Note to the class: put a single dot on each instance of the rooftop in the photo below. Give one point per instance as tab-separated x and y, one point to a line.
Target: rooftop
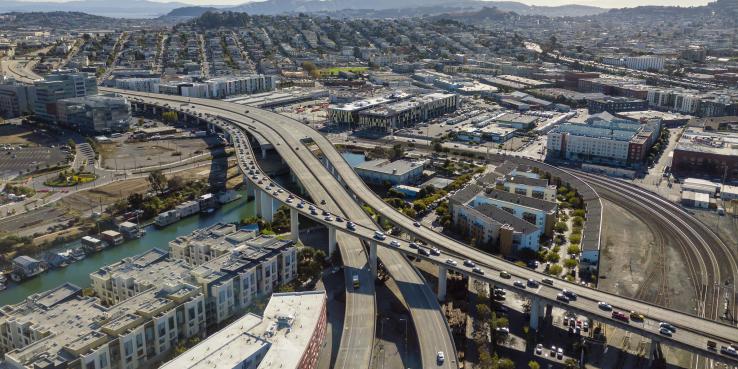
397	167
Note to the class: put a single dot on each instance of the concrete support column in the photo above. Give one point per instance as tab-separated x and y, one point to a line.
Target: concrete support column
373	258
295	225
331	241
263	153
652	350
535	313
442	278
257	201
267	209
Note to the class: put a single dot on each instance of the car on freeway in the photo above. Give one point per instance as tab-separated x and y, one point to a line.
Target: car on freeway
604	306
451	262
552	353
539	349
416	224
379	235
423	251
350	226
560	353
394	243
562	297
547	281
636	316
311	207
519	284
619	315
532	283
435	251
322	202
728	350
469	263
313	212
711	345
668	326
503	330
505	274
440	357
478	270
328	218
585	326
289	201
326	212
570	294
665	331
339	219
413	245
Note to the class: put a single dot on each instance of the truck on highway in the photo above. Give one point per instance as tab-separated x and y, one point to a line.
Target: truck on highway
355	280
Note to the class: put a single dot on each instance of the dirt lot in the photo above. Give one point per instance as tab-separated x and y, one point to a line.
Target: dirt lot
129	155
34	222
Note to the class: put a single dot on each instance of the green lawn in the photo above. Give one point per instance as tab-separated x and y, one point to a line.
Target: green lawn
335	70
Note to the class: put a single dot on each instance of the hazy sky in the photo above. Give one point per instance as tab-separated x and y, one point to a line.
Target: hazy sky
601	3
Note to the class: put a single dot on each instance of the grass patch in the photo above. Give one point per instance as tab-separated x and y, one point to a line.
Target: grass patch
72	180
335	70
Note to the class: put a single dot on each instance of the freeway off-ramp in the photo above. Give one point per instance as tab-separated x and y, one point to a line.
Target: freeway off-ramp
693	331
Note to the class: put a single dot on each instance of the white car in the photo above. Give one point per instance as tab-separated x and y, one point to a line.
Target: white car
665	331
451	262
394	243
539	349
440	357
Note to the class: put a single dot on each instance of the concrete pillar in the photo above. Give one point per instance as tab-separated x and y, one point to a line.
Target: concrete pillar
263	153
257	201
535	313
295	225
442	277
331	241
652	350
267	209
373	258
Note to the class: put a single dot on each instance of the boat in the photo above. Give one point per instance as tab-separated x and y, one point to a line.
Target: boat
78	254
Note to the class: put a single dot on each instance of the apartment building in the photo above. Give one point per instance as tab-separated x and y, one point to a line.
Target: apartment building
16	99
603	138
289	335
63	329
222	87
398	172
614	105
532	187
206	244
706	152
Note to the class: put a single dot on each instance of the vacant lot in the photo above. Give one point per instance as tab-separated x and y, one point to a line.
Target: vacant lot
14	134
123	155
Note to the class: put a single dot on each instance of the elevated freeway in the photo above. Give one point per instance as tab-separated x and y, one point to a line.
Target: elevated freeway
693	332
424	309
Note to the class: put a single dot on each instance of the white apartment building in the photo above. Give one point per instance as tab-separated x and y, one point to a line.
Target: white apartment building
206	244
61	328
531	187
222	87
139	84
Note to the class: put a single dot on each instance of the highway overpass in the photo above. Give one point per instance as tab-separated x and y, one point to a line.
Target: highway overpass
692	332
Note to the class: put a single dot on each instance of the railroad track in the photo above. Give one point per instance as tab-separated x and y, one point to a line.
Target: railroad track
707	258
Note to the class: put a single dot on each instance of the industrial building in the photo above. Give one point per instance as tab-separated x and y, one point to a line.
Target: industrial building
408	112
398	172
706	152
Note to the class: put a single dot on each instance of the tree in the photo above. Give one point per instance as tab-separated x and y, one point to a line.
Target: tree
157	180
505	363
534	365
483	312
169	116
397	152
561	227
571	364
135	200
555	269
571	263
573	250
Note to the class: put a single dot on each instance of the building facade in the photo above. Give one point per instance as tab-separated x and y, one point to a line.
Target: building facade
95	114
61	85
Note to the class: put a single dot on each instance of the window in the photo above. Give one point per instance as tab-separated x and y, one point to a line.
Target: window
128	348
162	327
171	323
139	340
103	360
90	365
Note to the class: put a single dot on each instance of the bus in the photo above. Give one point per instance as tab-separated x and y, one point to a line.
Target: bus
356	280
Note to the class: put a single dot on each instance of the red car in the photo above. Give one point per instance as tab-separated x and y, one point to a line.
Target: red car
620	316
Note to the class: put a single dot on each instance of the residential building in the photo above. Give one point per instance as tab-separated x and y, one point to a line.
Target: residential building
63	84
63	329
532	187
614	105
290	335
398	172
95	114
603	138
203	245
139	84
222	87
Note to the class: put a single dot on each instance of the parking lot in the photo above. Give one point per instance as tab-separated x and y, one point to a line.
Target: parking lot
119	154
20	160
